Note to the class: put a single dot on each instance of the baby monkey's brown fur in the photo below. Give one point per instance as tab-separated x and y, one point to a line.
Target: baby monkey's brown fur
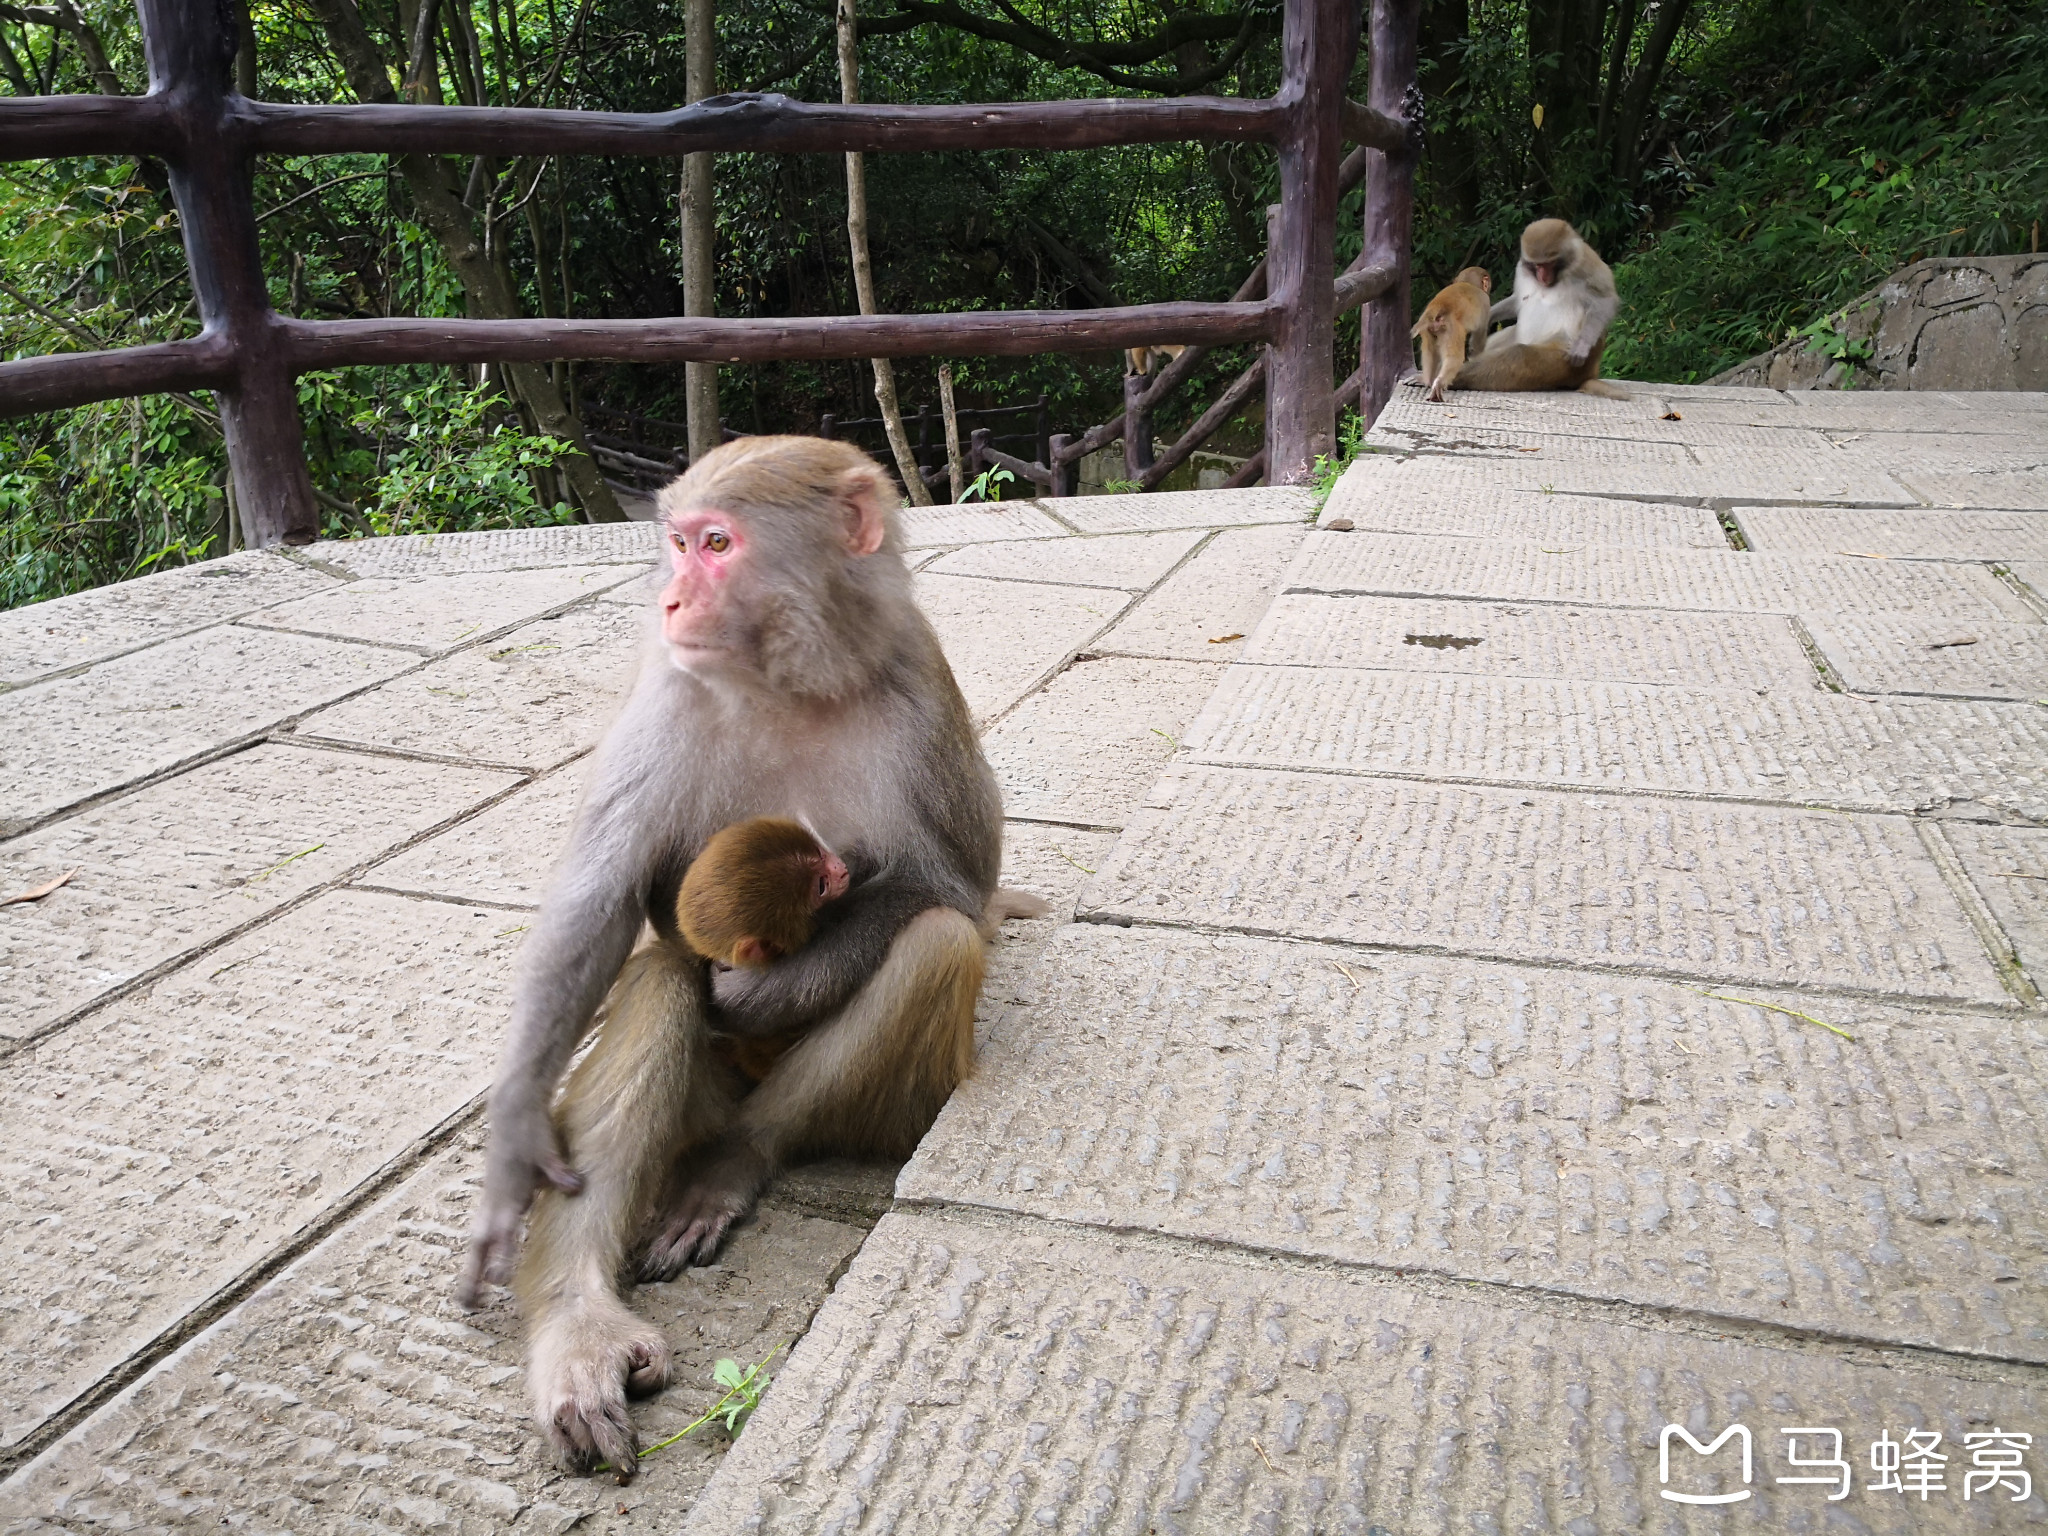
1453	328
753	894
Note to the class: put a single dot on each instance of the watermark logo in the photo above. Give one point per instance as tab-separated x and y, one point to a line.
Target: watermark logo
1913	1465
1733	1431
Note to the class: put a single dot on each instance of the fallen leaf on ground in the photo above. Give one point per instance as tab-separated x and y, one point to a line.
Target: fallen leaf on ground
1943	645
1858	554
1222	639
1671	416
39	892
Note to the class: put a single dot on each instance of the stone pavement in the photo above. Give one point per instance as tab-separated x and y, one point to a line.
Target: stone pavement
1558	959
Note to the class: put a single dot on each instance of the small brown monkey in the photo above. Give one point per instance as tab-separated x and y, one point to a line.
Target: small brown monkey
1140	359
753	894
1453	328
1563	302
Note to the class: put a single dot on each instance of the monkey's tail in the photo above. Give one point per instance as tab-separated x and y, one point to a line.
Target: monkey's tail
1008	903
1604	390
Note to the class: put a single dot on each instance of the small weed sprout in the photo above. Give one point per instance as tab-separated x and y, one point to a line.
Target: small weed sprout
743	1389
980	487
1330	467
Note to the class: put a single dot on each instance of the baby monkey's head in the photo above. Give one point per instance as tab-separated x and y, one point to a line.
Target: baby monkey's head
753	894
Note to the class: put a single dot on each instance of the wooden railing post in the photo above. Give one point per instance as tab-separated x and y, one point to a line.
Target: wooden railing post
191	47
1137	427
1065	471
1318	40
1384	349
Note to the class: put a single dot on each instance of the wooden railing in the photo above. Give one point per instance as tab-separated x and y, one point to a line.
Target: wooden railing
249	355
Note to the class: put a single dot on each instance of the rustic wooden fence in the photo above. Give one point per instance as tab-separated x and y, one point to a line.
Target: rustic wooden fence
249	355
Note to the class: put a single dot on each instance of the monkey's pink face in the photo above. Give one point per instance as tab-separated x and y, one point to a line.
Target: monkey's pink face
829	879
706	550
1545	271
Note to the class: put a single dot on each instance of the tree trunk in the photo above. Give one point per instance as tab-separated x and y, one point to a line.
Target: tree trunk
1635	107
700	265
863	273
954	472
485	285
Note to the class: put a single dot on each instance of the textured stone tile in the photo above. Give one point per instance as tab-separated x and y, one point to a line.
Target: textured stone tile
2024	445
509	549
965	1377
1725	892
1800	744
1598	439
1571	412
1084	748
1997	488
1899	534
1400	565
1610	468
535	698
1003	637
194	857
1628	1140
2009	865
159	1149
74	737
2035	575
925	527
1530	516
438	613
350	1393
1132	561
1050	862
1137	512
1914	411
640	592
504	855
1205	609
1309	629
1971	658
91	626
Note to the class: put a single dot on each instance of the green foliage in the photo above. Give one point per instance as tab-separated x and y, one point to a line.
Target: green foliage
742	1395
987	486
1329	468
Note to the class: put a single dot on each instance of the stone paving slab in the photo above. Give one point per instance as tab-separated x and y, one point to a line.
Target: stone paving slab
2024	445
640	592
1204	610
1718	891
1084	749
1886	653
350	1393
74	737
530	699
1597	438
1694	474
930	527
1623	1140
191	859
1532	516
1801	745
1311	629
1914	410
1571	412
434	614
1401	565
160	1149
65	632
508	549
973	1376
502	856
1002	638
1132	561
2035	575
1182	509
2021	488
1896	534
2009	865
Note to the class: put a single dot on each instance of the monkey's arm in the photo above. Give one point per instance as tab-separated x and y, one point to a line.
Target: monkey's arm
852	938
1594	318
1506	309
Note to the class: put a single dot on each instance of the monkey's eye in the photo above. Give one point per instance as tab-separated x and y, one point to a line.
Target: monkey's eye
679	541
717	541
822	885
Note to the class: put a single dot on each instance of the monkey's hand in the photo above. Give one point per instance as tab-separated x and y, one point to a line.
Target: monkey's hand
524	1154
851	941
1580	350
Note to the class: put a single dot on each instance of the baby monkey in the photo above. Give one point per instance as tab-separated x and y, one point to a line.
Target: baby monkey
1453	328
753	894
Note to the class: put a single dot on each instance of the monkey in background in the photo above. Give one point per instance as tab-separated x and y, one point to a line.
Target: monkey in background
752	896
1562	304
1139	359
1453	328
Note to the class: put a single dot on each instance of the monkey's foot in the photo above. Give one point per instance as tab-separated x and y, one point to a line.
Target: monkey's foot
584	1365
720	1191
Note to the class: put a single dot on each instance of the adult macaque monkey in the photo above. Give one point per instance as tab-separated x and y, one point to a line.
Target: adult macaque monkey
1452	329
1560	309
793	676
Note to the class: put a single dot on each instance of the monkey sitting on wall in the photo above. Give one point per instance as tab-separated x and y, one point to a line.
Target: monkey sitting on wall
753	894
1562	304
1453	328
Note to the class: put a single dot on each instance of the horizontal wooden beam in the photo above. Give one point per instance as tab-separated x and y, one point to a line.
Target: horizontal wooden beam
315	344
1360	283
1373	128
45	127
78	378
768	124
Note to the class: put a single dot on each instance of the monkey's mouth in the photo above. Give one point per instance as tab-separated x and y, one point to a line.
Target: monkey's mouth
1546	273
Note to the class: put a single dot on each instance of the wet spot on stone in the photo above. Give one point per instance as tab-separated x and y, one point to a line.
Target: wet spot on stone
1441	642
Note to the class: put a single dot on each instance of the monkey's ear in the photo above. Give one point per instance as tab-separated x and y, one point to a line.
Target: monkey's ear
751	952
865	492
